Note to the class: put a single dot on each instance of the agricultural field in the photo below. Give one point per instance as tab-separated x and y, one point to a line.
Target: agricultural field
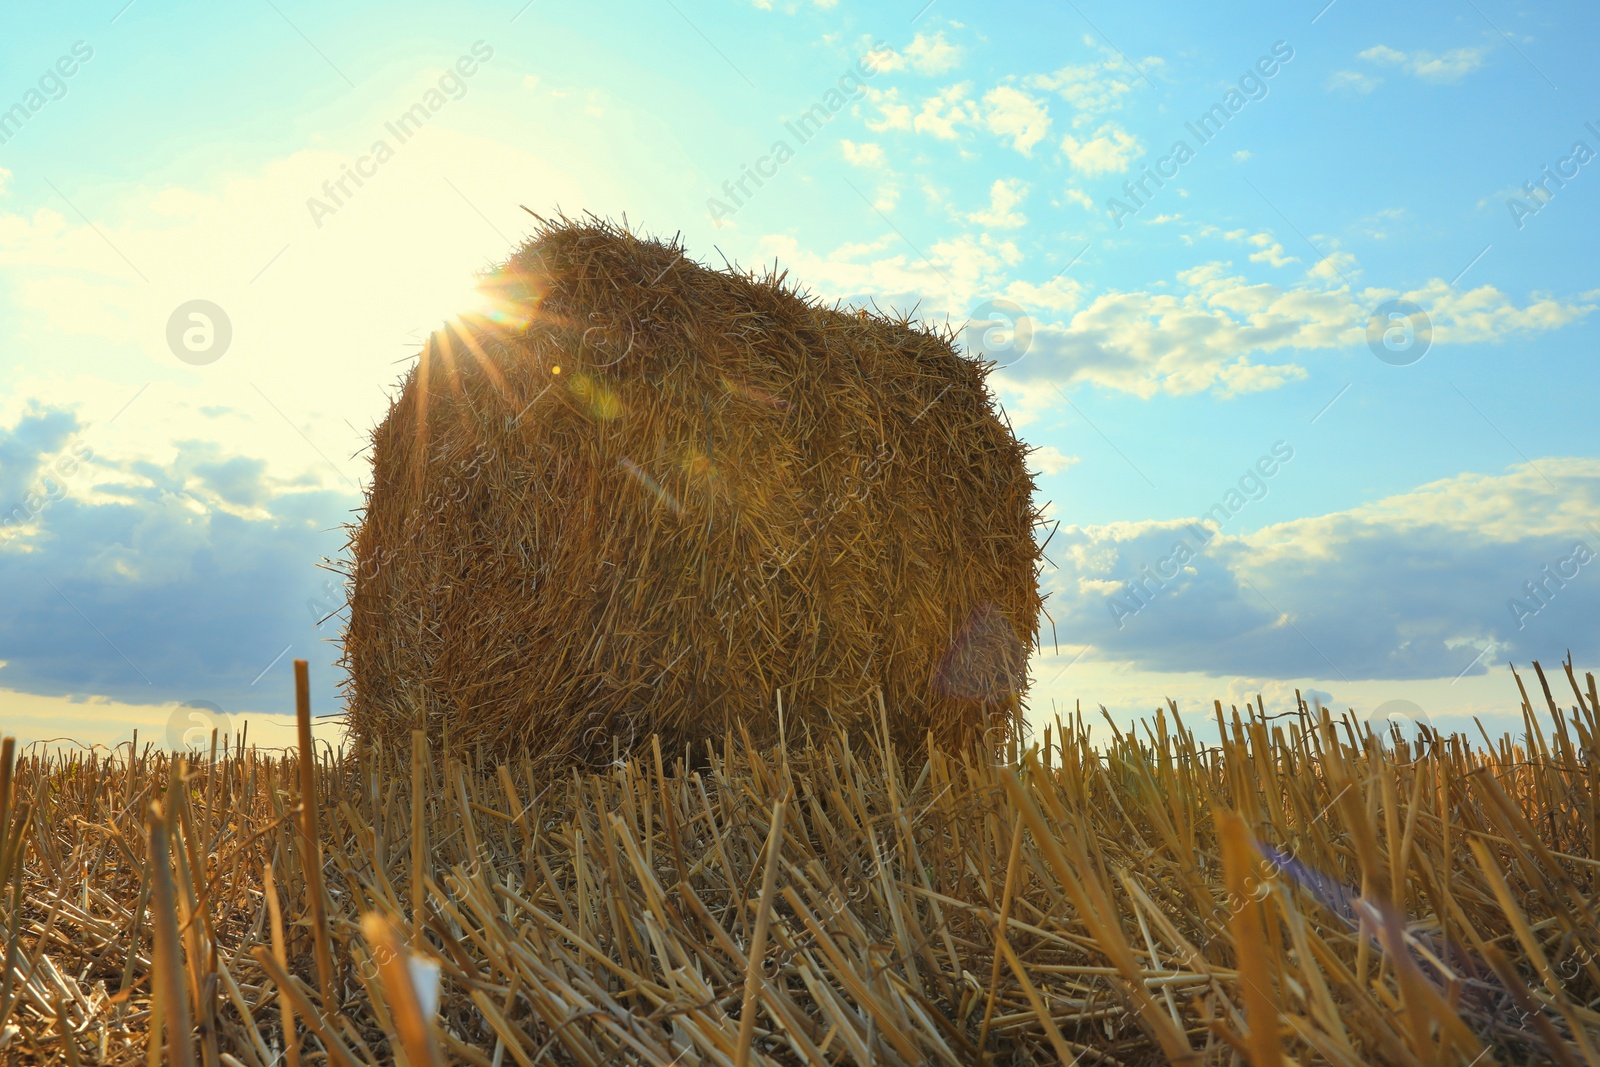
738	533
1305	892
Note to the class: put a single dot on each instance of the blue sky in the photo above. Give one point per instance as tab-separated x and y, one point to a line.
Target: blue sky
1191	318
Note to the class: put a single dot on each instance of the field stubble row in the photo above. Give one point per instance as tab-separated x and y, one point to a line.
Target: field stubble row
1303	892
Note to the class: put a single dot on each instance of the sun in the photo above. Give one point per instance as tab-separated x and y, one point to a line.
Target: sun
464	299
477	299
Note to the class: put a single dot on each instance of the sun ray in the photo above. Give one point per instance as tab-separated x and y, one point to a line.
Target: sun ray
490	368
447	353
420	436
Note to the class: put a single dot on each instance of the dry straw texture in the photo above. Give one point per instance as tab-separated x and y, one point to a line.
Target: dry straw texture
644	497
1306	893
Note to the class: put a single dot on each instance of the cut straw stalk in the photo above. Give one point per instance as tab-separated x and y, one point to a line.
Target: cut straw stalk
1006	896
413	1028
758	940
280	956
14	819
1240	861
419	834
168	973
311	837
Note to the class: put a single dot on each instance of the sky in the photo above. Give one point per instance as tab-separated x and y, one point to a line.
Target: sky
1295	303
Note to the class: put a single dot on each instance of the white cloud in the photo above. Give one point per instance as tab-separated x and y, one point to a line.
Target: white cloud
1381	53
1271	251
1411	586
932	54
1208	329
1049	461
1060	294
959	273
1334	267
866	154
926	54
1004	195
335	304
1081	198
893	113
163	554
1012	113
1242	154
1443	67
1006	111
1376	225
1448	67
943	113
1221	332
5	179
1110	151
1354	80
1095	88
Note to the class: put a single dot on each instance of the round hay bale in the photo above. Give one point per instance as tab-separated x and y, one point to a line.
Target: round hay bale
644	497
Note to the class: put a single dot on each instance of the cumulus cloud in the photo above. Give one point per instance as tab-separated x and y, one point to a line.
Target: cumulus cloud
321	308
1270	251
39	433
1219	331
161	582
928	53
1081	198
1050	461
1380	53
1097	87
1443	67
942	115
1378	225
1110	151
1014	110
932	54
1448	67
957	274
1006	111
189	542
893	112
1059	294
1451	577
1354	81
1208	329
1004	196
1012	113
867	154
946	111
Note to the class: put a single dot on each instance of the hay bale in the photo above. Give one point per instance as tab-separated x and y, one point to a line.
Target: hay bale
645	496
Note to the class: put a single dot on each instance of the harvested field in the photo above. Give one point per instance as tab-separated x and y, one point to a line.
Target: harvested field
1305	892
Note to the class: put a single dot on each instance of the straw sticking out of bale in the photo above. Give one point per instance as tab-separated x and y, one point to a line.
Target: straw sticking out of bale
642	497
